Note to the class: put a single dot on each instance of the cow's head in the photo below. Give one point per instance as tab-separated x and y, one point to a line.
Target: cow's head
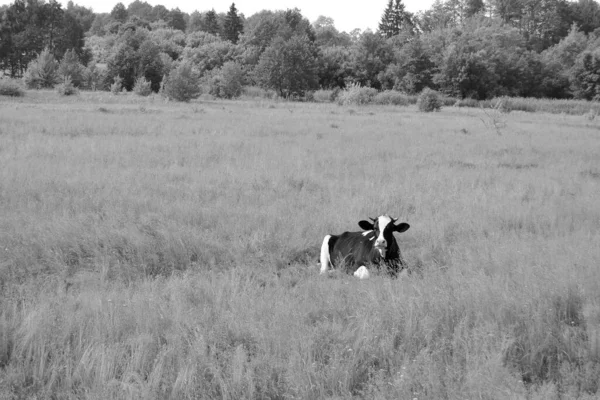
383	228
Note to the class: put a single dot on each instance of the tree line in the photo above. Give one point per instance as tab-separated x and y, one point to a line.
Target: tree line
464	48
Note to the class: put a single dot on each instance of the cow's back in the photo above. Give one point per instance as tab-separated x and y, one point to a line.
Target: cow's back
351	249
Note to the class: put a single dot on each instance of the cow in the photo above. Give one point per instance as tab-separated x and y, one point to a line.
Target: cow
375	246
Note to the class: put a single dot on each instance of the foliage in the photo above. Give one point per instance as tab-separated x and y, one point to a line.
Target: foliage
71	67
411	70
289	66
95	78
355	94
119	13
150	64
117	85
585	76
227	81
334	67
176	20
233	25
324	96
66	87
392	97
394	19
211	55
11	87
429	100
369	58
182	83
211	23
27	28
42	72
142	87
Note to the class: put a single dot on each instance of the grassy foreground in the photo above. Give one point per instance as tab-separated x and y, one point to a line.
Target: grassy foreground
153	250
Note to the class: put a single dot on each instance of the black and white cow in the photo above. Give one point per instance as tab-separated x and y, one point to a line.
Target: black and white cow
356	250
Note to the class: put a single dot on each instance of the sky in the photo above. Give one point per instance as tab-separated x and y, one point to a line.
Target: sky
346	17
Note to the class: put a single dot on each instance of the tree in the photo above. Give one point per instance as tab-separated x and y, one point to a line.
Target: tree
159	12
175	19
288	66
586	14
84	16
195	22
119	13
334	67
394	19
141	9
150	65
211	24
473	7
369	56
227	81
26	28
71	67
182	83
42	72
233	26
585	76
412	69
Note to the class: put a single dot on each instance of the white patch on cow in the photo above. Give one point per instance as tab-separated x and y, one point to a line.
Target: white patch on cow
325	258
380	243
365	233
362	273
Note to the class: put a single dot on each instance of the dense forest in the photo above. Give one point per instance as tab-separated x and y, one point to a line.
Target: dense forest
462	48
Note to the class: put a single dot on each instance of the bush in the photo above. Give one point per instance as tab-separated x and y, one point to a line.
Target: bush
429	100
323	96
142	87
356	95
117	85
258	92
95	77
66	88
70	66
10	87
227	81
392	97
182	83
42	72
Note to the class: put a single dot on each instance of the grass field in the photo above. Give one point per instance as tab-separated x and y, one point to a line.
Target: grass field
153	250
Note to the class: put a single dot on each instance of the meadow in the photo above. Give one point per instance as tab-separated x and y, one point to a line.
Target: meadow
159	250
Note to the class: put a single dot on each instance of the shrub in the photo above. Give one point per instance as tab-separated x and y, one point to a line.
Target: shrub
356	95
258	92
142	87
182	83
392	97
10	87
117	85
429	100
42	72
66	88
70	66
323	96
94	77
227	81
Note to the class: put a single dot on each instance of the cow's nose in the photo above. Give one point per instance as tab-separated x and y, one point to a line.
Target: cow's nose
380	243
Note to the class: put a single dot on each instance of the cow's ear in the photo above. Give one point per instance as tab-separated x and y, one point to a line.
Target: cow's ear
403	227
366	225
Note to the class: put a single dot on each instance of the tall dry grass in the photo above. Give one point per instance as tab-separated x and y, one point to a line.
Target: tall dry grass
160	250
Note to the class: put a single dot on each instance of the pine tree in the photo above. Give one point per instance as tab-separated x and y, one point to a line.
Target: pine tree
233	26
394	18
211	23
